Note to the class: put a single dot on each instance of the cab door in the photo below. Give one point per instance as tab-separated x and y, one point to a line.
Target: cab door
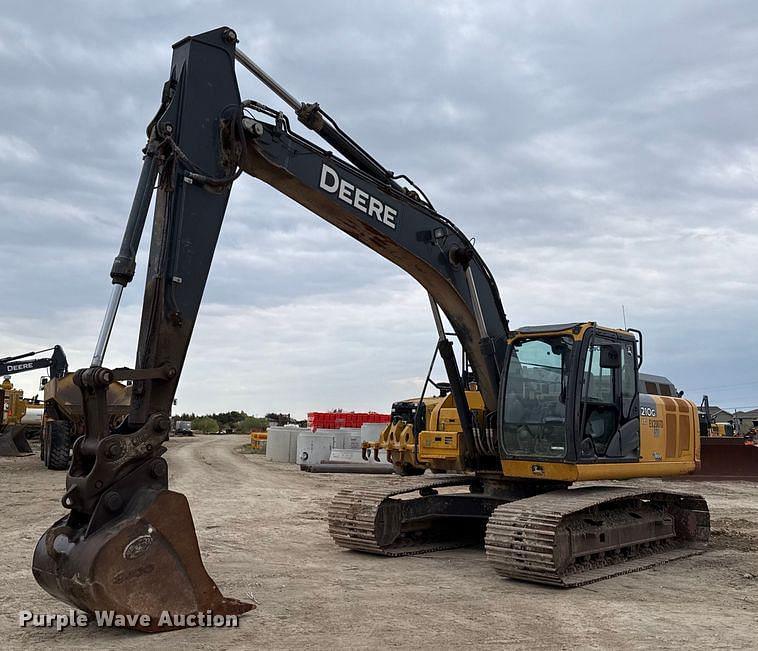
608	427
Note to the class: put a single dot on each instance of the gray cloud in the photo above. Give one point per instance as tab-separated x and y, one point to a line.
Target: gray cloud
600	154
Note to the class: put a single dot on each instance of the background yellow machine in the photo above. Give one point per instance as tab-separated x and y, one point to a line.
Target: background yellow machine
19	418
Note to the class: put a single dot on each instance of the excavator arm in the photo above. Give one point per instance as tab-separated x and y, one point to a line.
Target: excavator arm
128	543
56	363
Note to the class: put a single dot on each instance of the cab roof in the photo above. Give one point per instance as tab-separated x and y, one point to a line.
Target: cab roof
542	329
576	327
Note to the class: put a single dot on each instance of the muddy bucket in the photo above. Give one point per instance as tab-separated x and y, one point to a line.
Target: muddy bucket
144	564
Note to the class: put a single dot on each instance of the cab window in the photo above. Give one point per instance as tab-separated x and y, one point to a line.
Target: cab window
598	382
608	424
628	379
534	413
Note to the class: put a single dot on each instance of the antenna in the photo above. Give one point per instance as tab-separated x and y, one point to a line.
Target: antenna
623	314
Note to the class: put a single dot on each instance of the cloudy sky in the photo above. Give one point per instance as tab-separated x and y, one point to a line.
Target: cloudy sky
602	154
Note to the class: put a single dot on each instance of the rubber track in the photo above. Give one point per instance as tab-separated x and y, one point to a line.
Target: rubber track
352	516
521	535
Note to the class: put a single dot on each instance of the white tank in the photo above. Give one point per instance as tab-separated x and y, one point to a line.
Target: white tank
316	447
351	438
294	435
281	446
33	415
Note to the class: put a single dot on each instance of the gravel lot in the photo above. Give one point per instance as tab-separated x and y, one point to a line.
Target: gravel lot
262	530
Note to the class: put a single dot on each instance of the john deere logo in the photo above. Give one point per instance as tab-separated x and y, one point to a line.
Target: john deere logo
137	547
357	198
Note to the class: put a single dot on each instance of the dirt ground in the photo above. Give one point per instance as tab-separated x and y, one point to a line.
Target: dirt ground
263	532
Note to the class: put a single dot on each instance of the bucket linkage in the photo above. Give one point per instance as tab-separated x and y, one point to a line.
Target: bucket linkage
129	544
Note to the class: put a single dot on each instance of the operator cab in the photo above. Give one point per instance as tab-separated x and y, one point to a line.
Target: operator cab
570	395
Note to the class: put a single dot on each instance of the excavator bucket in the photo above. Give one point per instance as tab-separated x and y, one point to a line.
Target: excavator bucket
144	565
13	442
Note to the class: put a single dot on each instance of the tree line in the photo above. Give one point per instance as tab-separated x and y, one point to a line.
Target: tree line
234	422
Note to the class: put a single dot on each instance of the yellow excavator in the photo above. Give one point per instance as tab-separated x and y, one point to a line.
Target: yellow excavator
533	410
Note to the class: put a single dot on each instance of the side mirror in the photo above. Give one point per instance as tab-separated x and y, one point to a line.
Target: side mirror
610	356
